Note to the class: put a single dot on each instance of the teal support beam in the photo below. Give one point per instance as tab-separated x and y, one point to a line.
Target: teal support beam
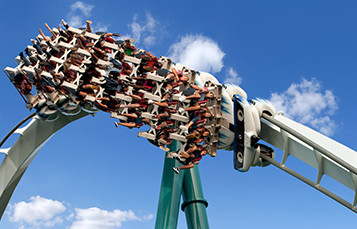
170	194
194	204
187	183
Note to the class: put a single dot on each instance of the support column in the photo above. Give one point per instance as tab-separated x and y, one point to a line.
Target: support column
194	204
170	193
187	183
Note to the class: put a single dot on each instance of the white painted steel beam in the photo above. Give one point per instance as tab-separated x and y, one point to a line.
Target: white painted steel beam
317	150
18	157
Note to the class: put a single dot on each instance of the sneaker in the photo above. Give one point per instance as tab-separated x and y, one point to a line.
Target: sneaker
174	155
176	170
162	141
64	23
164	148
116	124
190	136
185	155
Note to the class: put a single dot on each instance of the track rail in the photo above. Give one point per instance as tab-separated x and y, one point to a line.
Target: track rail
326	155
16	128
18	157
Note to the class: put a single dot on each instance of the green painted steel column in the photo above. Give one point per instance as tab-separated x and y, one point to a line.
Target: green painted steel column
194	204
170	193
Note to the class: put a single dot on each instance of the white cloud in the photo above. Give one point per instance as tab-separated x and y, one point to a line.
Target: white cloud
95	218
76	21
78	14
100	27
149	217
198	52
308	104
39	212
149	40
84	8
233	77
146	31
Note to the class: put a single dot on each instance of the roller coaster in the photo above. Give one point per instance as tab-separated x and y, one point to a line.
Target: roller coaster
75	72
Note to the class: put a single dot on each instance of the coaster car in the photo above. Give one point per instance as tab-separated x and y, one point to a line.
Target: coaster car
247	127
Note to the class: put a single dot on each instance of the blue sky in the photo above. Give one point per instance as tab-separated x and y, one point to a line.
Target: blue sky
302	55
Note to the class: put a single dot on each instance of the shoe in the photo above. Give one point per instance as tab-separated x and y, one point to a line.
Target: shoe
171	155
89	22
190	136
185	155
64	23
176	170
175	155
116	124
164	148
162	141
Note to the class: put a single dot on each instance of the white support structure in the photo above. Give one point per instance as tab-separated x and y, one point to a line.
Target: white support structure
110	45
18	157
75	30
69	85
56	60
65	45
133	60
92	35
326	155
322	153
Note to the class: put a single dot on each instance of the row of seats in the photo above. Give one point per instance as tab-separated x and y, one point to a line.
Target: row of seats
74	69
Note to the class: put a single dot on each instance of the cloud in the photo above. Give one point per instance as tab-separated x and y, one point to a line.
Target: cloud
39	212
144	31
308	104
149	217
78	13
84	8
198	52
95	218
233	77
100	27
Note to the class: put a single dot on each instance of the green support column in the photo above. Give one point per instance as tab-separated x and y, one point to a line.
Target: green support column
194	204
187	183
170	194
